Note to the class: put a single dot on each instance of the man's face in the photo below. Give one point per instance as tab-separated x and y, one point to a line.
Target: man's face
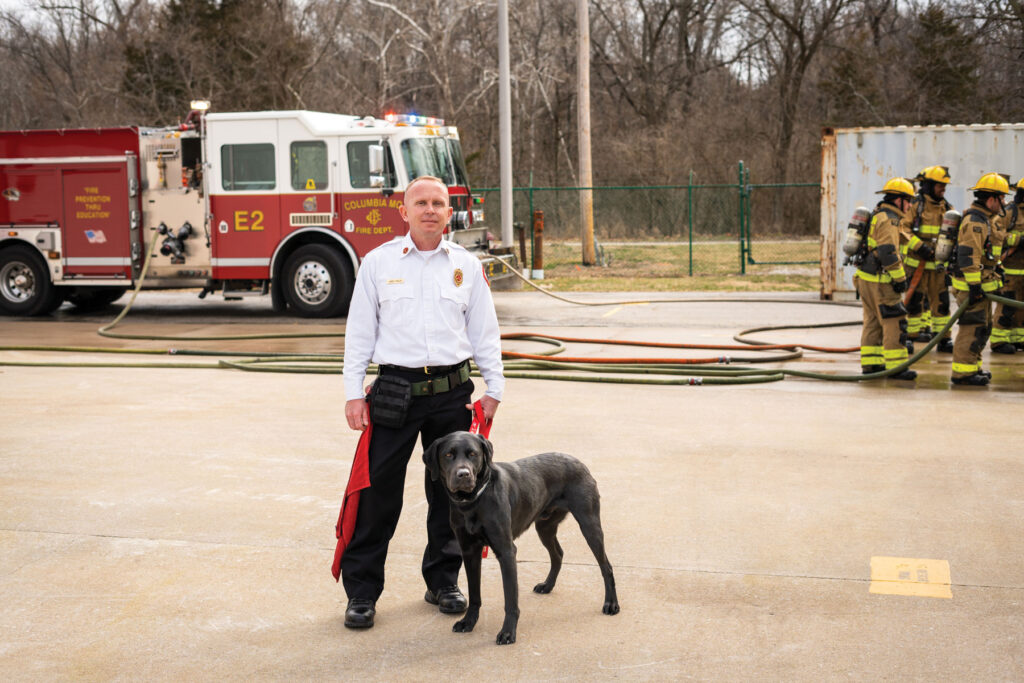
940	190
995	204
427	211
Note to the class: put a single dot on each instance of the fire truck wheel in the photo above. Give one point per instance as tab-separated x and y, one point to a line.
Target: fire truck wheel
317	282
94	298
25	286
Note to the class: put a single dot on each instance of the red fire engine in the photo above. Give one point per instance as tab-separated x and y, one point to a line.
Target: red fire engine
284	203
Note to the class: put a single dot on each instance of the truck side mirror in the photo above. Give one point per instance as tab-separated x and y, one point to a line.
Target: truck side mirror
377	161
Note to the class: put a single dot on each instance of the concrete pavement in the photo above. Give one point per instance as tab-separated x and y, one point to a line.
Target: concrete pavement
178	524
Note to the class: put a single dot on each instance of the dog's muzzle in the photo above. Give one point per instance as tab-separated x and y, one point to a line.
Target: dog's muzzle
462	479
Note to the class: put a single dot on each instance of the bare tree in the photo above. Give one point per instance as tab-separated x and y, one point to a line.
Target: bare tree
789	35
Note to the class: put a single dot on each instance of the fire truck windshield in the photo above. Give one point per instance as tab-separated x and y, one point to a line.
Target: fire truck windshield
440	157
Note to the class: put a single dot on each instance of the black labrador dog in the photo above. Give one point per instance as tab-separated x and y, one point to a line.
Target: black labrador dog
492	503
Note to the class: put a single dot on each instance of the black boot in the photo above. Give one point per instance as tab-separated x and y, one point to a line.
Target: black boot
360	613
924	336
945	346
869	369
1004	347
906	374
449	600
975	380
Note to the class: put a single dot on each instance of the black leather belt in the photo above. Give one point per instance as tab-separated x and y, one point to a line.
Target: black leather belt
442	378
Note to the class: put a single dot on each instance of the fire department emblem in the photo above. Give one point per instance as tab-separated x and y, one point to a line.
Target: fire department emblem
309	204
11	194
458	277
373	218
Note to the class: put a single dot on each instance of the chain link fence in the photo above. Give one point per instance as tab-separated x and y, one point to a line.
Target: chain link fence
732	228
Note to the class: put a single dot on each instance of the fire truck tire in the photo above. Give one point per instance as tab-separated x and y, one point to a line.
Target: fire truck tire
25	286
317	282
94	298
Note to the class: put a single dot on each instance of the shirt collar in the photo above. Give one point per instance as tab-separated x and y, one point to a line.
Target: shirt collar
409	247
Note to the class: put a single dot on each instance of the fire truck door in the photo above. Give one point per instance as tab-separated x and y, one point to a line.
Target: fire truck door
369	215
96	228
307	201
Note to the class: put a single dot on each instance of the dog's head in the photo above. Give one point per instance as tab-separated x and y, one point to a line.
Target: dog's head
460	459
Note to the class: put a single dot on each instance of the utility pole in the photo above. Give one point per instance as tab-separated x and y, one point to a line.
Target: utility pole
504	124
583	136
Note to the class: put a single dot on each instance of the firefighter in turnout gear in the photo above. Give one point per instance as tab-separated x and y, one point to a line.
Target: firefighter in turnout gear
928	308
979	247
1007	321
880	280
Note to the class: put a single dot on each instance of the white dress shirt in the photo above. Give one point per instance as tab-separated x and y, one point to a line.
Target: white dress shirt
414	308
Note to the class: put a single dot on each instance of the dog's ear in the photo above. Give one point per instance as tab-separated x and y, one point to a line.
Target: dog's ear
486	447
430	458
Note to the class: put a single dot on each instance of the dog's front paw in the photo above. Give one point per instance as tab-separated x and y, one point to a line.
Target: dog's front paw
464	625
543	588
611	607
506	638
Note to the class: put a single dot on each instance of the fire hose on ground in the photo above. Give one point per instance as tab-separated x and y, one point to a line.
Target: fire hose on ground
621	370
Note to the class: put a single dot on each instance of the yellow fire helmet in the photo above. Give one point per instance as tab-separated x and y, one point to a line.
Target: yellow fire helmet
1020	184
898	186
938	174
996	183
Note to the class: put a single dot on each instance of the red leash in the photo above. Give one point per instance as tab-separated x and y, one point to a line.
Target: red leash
483	428
359	479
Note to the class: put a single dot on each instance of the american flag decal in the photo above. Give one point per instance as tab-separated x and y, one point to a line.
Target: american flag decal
95	236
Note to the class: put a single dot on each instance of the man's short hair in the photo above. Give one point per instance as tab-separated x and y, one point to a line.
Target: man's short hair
426	177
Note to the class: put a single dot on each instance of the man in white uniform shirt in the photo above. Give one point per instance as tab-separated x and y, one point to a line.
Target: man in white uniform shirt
421	309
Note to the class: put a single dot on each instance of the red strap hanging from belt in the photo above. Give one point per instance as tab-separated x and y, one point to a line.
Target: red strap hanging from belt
358	479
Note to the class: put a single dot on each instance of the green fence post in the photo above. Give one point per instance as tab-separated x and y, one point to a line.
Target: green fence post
748	194
533	243
689	216
742	254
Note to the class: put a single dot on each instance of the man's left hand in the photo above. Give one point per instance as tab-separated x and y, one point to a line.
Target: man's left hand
490	406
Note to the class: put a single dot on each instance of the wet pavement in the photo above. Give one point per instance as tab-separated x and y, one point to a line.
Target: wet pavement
179	523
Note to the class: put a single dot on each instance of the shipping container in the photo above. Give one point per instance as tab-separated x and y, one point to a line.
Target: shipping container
856	162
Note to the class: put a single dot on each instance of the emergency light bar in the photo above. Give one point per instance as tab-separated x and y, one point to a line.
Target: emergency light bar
413	120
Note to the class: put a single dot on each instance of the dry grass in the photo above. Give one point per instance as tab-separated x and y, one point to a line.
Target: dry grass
659	267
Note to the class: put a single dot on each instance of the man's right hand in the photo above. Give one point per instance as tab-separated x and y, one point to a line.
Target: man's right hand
357	412
899	286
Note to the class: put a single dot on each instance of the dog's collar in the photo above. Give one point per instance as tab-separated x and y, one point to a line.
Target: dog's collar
469	501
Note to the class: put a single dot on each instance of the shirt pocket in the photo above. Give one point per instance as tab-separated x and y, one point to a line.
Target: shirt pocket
396	298
453	304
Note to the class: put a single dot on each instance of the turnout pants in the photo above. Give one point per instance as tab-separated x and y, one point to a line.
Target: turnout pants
362	566
973	329
928	309
883	338
1007	321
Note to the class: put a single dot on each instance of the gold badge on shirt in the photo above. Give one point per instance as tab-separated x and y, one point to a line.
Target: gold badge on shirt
458	277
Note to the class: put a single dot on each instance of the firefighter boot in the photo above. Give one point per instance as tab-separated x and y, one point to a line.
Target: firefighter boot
945	346
906	374
1004	347
869	369
976	380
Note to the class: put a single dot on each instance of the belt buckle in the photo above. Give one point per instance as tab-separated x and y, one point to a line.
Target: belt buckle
430	387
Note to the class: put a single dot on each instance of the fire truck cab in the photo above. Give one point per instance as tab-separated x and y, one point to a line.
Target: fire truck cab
284	203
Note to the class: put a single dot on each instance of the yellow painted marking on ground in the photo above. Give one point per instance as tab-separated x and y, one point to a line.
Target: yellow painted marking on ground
910	576
612	312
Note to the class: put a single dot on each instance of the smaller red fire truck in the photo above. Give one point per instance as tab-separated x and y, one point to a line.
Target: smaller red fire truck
284	203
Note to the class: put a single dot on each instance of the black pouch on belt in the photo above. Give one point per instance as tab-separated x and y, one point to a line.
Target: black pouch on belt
389	401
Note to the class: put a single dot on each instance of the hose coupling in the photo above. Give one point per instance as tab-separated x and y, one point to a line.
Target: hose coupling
696	381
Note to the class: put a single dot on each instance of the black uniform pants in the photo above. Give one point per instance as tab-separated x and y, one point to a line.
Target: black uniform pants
362	565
